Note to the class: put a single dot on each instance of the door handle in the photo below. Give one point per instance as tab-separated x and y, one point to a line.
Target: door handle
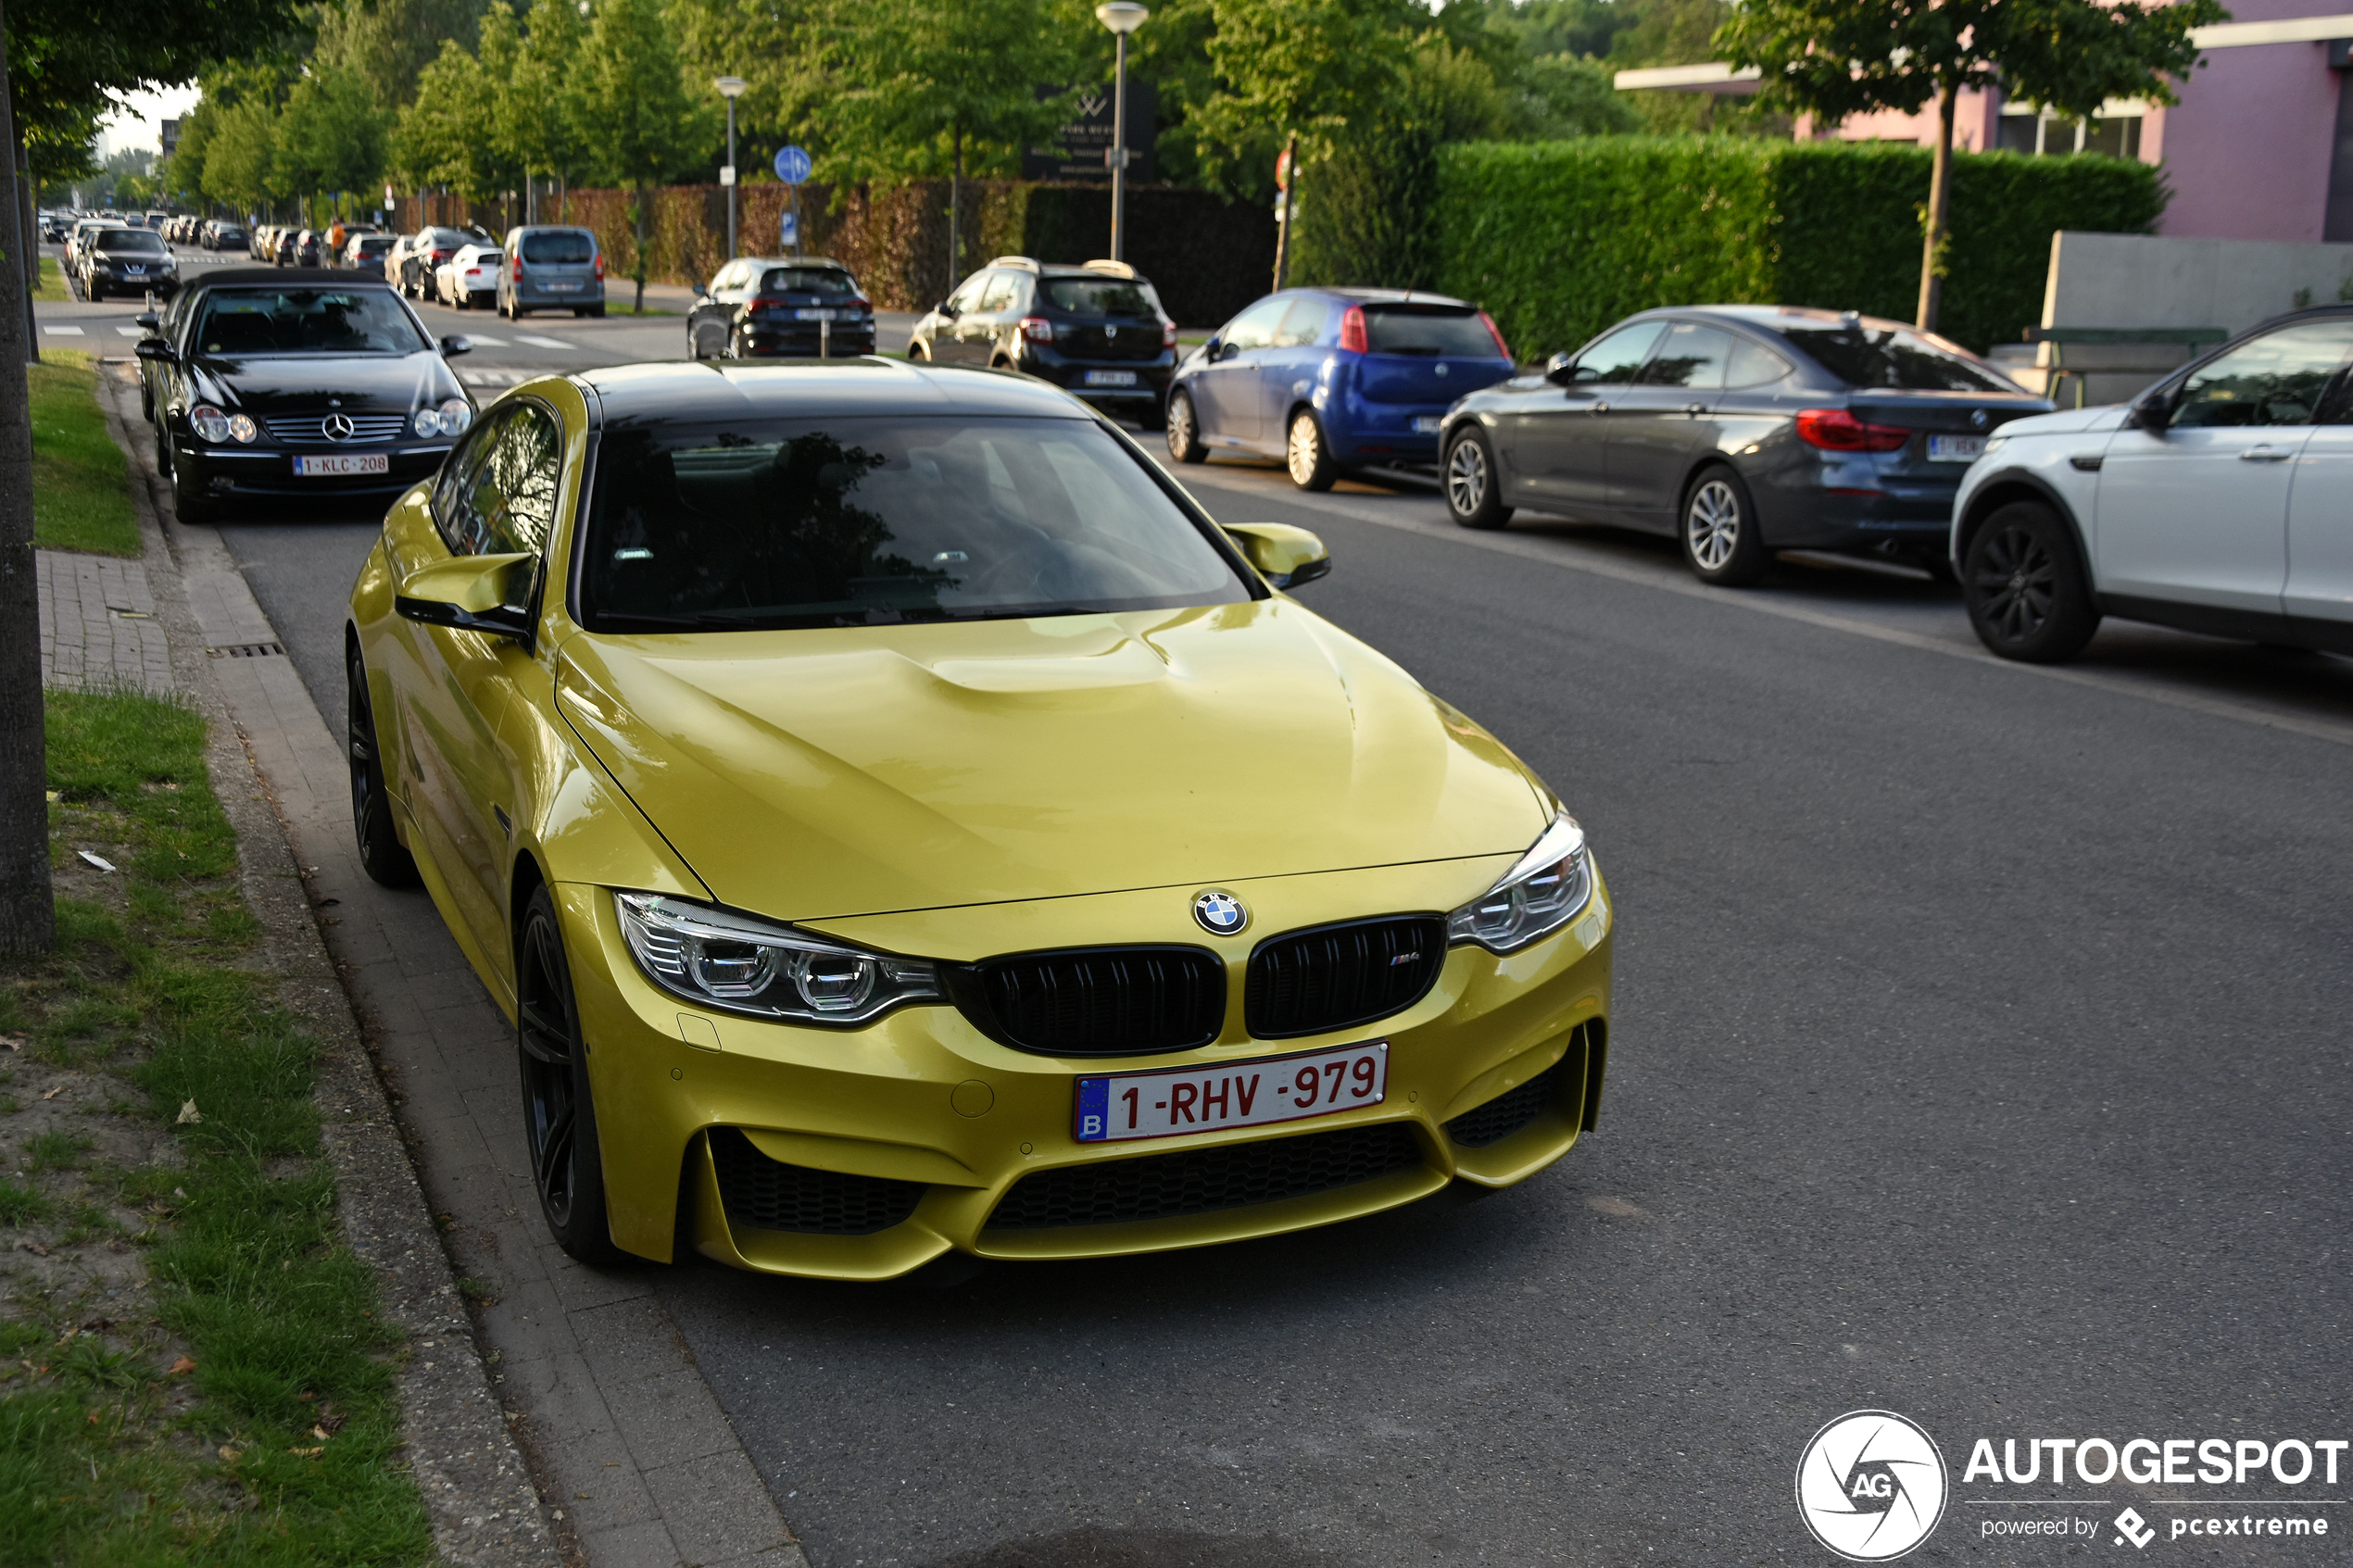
2262	455
1599	408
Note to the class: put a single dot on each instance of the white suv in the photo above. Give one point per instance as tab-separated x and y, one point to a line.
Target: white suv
2221	501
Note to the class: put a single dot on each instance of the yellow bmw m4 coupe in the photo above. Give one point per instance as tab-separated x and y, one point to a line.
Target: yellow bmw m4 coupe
899	821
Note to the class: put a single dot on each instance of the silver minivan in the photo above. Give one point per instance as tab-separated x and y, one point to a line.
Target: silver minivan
552	269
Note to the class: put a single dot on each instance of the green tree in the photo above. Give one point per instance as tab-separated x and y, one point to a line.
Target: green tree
331	136
777	46
241	160
541	120
443	137
1301	71
646	123
390	43
1839	57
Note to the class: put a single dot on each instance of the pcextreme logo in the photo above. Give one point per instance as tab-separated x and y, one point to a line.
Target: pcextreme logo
1871	1486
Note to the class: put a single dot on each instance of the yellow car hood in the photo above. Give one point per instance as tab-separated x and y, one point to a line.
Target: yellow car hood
813	774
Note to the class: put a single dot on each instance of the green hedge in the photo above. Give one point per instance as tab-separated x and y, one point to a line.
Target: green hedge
1559	239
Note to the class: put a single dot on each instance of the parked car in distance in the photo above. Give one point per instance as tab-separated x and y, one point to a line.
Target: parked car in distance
761	307
551	267
128	261
1096	331
1333	379
2219	501
366	253
1739	430
420	256
468	279
220	235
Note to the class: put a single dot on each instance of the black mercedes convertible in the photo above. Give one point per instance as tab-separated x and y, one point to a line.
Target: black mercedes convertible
266	382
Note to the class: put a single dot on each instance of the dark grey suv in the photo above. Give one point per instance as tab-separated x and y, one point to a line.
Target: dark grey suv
1740	430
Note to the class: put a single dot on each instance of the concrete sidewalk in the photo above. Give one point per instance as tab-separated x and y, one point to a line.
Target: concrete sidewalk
634	1460
98	626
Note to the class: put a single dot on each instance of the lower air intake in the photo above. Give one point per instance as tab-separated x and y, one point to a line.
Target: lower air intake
1200	1181
1509	1111
767	1194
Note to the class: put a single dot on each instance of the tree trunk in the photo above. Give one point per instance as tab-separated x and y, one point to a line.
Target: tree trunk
29	215
639	270
955	213
1282	231
28	913
1940	204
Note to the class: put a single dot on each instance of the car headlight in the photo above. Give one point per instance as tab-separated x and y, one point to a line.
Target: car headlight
1542	893
455	415
719	959
427	423
209	423
241	427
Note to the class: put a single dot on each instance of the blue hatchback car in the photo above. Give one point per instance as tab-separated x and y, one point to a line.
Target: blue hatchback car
1333	379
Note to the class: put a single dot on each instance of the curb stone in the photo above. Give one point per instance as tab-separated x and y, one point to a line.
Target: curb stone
477	1492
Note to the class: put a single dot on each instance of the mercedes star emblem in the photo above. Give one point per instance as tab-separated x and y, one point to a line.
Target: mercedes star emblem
338	427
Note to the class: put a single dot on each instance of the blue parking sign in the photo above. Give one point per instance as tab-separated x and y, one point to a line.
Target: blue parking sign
788	228
792	165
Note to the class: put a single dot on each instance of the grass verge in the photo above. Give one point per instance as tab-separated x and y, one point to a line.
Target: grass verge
80	491
52	288
193	1370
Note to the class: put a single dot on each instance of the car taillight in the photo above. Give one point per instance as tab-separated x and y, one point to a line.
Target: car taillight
1351	331
1168	335
1036	329
518	272
1497	333
1835	430
600	267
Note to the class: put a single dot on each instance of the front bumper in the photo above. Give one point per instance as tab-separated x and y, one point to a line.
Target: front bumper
258	471
922	1104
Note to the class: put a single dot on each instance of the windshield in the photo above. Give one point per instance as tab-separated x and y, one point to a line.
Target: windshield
448	239
131	241
559	247
1099	296
305	322
1389	330
861	521
1894	358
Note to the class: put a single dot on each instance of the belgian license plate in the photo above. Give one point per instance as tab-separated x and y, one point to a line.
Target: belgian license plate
1230	1094
562	288
1956	448
817	313
339	463
1425	424
1110	378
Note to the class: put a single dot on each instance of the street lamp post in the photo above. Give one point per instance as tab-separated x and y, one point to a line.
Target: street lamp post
1123	17
731	88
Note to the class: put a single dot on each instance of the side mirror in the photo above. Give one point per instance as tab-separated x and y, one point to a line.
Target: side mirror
947	307
453	346
157	349
472	593
147	319
1223	352
701	293
1561	369
1285	556
2154	412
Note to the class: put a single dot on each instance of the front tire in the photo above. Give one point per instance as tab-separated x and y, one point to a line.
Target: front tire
1306	454
1722	544
2024	587
189	502
1184	429
381	853
1472	494
560	1114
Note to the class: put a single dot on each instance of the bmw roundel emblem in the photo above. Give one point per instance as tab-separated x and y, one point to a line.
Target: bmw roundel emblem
1977	418
1219	913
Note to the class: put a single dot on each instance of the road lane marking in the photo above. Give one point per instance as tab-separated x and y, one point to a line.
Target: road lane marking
62	332
481	341
544	342
131	332
1527	547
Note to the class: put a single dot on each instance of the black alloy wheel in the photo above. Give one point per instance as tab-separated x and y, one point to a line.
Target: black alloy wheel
1184	429
1722	544
2024	587
1472	494
559	1115
381	853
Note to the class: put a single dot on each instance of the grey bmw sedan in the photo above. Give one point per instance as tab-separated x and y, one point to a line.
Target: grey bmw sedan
1740	430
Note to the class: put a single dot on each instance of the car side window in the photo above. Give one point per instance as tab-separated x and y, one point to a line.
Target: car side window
1254	328
2279	379
968	295
1000	292
463	491
1302	323
1614	360
1753	364
1691	356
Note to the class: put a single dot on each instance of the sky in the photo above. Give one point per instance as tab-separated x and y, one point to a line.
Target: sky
140	121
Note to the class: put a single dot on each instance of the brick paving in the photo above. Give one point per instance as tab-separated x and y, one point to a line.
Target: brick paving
98	625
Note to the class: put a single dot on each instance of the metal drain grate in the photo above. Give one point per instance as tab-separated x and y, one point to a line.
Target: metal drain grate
247	650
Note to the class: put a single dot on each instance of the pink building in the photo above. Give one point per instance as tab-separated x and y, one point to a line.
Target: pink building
2260	147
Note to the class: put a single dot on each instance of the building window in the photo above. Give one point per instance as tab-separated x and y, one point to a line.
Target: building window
2039	133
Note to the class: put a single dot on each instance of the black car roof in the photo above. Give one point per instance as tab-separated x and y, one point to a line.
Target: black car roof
691	391
285	277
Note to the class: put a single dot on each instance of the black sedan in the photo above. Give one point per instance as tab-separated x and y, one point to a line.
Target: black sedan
264	382
133	262
762	305
1740	430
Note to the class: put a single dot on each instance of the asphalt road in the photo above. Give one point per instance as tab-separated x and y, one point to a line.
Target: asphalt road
1978	1054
